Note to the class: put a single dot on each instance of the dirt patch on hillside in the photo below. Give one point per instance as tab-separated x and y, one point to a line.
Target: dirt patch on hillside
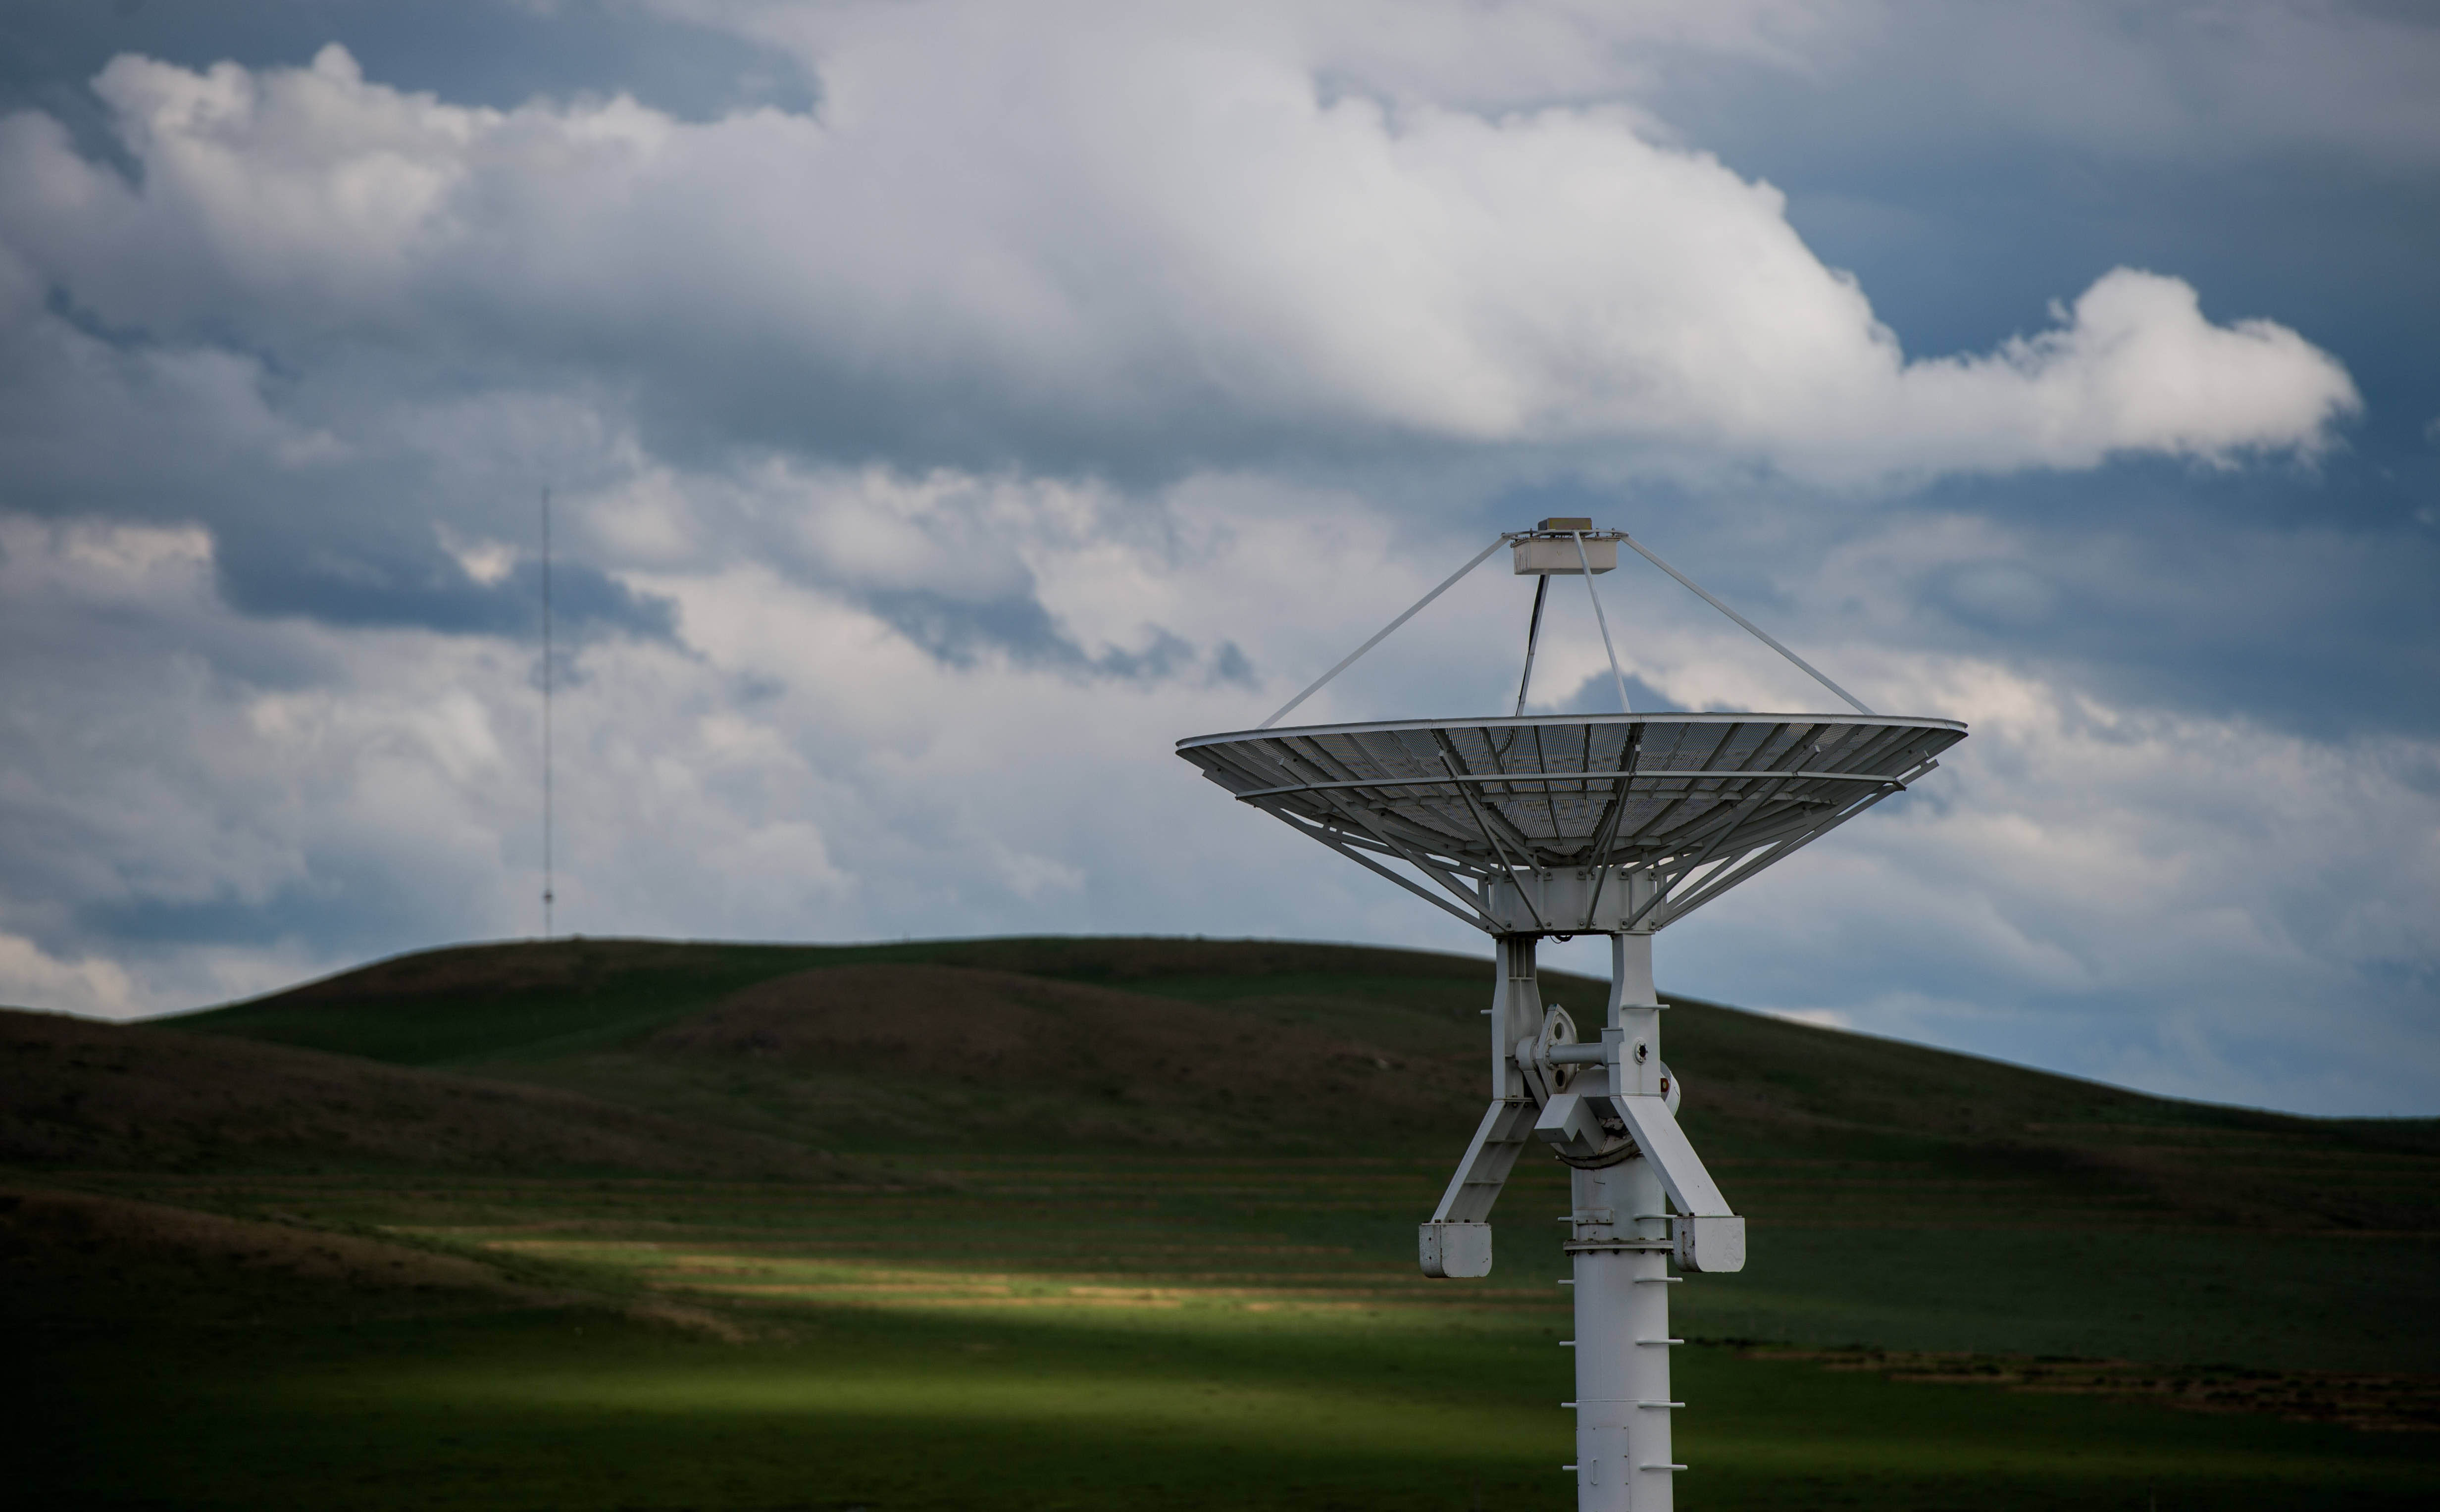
966	1026
77	1092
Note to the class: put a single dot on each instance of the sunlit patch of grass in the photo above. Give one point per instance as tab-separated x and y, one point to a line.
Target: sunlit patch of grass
757	1276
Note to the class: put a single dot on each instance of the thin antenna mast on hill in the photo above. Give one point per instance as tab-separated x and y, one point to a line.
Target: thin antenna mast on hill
547	893
1533	826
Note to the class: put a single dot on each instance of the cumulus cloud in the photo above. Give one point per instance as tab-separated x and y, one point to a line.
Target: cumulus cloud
2144	883
1119	250
929	458
2134	367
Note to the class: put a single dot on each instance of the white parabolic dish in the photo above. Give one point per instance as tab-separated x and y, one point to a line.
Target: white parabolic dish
1574	822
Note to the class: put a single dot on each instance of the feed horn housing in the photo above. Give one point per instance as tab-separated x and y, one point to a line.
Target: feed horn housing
1533	826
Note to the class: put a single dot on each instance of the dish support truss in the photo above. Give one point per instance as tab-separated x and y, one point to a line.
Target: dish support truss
1564	825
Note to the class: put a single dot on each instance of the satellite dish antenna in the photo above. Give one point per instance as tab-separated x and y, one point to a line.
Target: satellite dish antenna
1533	826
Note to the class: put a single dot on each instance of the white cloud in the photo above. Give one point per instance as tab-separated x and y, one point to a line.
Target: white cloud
93	985
2134	367
1099	243
2083	886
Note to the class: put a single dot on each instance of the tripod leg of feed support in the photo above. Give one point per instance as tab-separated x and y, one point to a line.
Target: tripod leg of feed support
1515	1013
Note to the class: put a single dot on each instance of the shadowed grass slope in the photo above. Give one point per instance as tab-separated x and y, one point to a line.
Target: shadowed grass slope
78	1263
75	1093
891	1410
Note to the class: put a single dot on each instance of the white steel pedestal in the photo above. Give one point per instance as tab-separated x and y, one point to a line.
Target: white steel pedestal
1621	1245
1545	826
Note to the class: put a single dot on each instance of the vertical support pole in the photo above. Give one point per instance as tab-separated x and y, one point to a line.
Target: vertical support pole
1515	1013
1619	1245
1631	973
1632	1038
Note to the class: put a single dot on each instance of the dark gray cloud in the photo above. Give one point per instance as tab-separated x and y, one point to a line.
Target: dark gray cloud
350	903
369	576
490	52
2296	595
960	631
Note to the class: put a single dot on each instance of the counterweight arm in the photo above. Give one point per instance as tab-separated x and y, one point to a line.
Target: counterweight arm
1707	1235
1457	1241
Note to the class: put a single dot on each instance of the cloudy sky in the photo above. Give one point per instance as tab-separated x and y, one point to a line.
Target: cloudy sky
949	405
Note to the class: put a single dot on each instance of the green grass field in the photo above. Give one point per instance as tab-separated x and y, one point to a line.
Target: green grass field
632	1225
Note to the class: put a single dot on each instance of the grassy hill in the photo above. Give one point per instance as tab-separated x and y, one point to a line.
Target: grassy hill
1108	1222
1244	1044
1901	1198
